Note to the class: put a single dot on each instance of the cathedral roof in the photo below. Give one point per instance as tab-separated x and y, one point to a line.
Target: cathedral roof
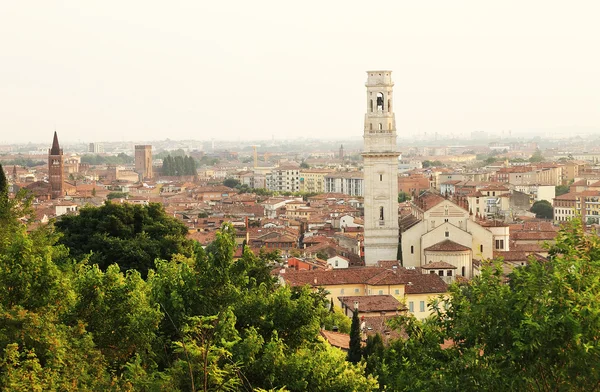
447	245
55	150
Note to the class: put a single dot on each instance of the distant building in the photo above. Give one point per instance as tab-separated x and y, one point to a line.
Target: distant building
96	148
348	183
143	161
55	169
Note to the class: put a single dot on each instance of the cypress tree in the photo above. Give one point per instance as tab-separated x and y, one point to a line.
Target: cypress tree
355	351
3	184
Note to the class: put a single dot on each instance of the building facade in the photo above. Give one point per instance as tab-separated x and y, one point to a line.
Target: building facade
380	157
143	161
347	183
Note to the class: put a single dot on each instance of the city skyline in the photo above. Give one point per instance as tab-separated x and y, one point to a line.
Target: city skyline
191	71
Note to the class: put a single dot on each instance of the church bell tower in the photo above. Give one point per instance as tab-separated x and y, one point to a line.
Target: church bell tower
55	168
380	156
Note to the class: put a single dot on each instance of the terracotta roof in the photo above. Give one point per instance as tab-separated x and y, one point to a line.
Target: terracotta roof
425	283
337	339
534	235
447	245
378	325
372	303
438	265
513	255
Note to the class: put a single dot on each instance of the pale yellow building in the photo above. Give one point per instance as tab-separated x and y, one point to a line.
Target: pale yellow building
313	180
406	285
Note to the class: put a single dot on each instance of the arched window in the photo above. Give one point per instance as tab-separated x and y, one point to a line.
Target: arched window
380	213
371	105
380	102
380	126
371	126
389	105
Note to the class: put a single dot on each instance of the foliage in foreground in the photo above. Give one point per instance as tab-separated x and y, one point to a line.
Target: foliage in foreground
201	321
538	332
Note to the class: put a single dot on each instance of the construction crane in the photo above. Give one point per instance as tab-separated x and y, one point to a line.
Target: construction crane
254	146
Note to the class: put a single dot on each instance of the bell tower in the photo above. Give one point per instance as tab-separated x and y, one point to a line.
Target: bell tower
380	157
55	168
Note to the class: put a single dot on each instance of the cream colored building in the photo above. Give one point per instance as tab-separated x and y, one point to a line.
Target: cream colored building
447	232
313	180
380	156
407	286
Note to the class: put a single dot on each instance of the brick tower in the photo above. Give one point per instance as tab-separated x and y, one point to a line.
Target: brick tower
55	169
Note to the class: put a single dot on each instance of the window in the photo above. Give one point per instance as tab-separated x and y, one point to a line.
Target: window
381	177
463	271
380	126
447	234
370	127
380	213
380	101
449	273
342	291
356	291
446	220
380	292
336	263
422	306
412	249
499	244
371	105
441	272
411	307
481	248
431	272
397	292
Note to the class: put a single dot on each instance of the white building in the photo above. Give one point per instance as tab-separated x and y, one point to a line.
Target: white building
380	157
283	179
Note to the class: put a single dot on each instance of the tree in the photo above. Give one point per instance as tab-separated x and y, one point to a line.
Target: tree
231	182
117	195
536	156
537	330
561	190
355	351
403	196
304	165
542	209
131	235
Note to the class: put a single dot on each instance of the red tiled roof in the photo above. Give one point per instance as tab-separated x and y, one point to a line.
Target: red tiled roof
337	339
447	245
425	283
438	265
372	303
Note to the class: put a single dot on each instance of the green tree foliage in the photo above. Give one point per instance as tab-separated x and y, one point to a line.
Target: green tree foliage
117	195
428	163
335	317
536	157
542	209
355	351
561	190
179	166
117	310
403	196
540	331
231	182
200	321
132	236
120	159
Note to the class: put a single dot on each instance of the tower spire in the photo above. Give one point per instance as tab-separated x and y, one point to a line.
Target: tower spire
55	150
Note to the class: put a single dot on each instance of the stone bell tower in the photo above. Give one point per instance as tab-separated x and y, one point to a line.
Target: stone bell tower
380	156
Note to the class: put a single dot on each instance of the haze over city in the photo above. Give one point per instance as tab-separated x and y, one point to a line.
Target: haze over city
114	71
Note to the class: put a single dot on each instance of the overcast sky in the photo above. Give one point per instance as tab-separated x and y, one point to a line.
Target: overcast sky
148	70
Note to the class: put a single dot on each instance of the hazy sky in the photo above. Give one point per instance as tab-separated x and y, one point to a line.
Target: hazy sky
147	70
